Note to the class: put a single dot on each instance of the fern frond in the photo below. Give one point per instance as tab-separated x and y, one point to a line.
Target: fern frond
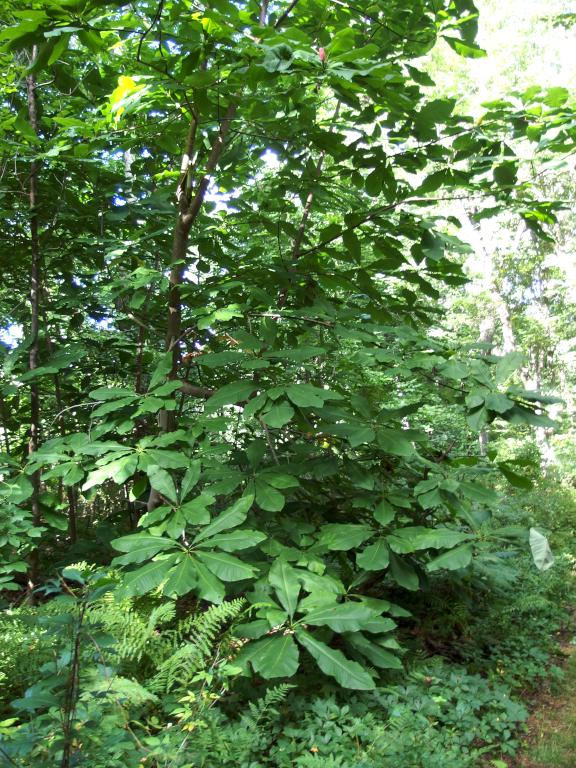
136	633
261	710
192	644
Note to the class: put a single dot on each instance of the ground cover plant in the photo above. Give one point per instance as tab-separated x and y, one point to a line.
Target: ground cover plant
252	461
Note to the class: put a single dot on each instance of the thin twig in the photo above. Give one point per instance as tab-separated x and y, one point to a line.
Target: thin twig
269	440
286	13
147	31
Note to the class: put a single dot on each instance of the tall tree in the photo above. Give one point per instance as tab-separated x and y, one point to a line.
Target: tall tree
276	285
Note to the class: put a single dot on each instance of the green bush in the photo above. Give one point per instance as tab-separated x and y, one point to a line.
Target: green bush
23	649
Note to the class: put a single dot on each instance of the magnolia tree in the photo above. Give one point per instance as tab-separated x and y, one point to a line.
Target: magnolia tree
232	215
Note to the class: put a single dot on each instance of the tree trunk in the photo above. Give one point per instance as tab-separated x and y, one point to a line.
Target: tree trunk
486	336
35	283
190	197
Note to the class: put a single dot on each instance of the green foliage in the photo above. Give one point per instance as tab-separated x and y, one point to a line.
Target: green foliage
124	662
175	685
262	398
190	646
244	397
24	649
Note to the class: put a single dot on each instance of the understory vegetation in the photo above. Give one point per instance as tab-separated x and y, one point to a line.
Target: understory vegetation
164	691
287	368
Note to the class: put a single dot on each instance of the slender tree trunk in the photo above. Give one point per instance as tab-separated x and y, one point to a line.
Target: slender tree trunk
191	194
508	338
70	491
139	360
299	239
4	417
35	287
190	204
486	336
72	691
190	201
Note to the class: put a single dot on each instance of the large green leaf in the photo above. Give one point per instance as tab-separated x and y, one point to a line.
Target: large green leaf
162	482
378	625
111	407
498	403
507	364
375	557
278	58
208	586
140	547
147	578
190	479
477	492
252	630
403	573
278	415
514	478
384	513
298	354
466	49
415	538
395	442
234	392
333	662
219	359
356	434
183	578
343	536
196	511
16	489
242	538
307	396
375	654
285	581
341	617
226	567
112	393
163	367
119	470
275	656
454	559
229	518
268	497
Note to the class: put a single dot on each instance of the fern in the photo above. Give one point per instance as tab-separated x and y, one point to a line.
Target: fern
169	655
260	711
136	634
192	645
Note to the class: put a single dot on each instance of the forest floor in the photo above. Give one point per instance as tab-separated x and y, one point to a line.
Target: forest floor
551	738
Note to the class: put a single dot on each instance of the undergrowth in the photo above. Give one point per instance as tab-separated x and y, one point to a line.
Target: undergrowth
162	690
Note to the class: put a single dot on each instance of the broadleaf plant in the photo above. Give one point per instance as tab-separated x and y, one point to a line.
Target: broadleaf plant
241	233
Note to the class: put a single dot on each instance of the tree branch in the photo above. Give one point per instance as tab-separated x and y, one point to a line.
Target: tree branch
194	391
306	212
194	208
35	288
264	12
281	19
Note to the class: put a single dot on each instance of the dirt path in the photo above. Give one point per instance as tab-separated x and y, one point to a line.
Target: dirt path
551	739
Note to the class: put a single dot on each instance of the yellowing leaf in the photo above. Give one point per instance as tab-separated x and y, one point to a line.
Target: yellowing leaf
128	92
